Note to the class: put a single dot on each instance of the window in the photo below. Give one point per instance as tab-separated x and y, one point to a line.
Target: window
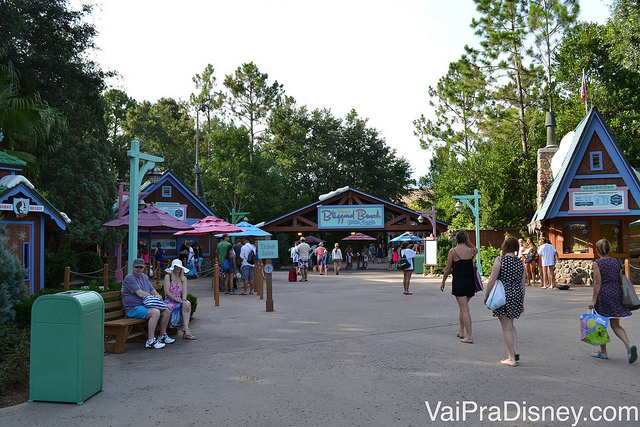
166	191
610	230
26	258
596	160
576	237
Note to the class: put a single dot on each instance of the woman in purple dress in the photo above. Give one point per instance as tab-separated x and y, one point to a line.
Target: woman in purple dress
607	297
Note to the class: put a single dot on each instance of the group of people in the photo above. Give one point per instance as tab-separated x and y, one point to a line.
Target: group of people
509	269
543	258
302	255
141	300
190	255
237	263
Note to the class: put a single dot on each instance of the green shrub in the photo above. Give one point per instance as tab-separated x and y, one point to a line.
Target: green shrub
89	262
12	285
54	265
14	358
194	302
444	245
488	255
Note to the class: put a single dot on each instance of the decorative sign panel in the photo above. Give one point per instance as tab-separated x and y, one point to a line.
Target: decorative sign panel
351	216
598	201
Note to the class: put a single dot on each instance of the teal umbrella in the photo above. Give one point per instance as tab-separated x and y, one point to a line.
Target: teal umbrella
406	237
249	230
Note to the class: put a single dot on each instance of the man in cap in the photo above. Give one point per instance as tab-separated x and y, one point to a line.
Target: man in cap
135	287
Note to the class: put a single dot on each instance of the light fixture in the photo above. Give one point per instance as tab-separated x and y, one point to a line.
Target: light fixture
420	219
141	204
458	206
155	174
245	219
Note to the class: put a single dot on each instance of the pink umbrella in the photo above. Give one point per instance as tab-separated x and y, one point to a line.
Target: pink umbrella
210	225
359	236
151	218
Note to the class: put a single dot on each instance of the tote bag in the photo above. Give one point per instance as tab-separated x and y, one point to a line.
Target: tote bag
593	328
496	297
629	297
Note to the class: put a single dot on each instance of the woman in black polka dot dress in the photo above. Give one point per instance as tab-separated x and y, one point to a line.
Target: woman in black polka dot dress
510	270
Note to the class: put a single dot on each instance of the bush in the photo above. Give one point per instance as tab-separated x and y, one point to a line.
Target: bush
54	266
488	255
89	262
194	302
12	285
14	357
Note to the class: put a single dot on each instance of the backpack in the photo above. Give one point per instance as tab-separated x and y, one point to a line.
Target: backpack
251	259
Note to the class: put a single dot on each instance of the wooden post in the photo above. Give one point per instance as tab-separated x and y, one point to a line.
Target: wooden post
269	303
105	282
216	282
258	279
67	277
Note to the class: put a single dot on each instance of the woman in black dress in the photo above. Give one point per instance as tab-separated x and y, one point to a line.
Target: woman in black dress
510	270
460	263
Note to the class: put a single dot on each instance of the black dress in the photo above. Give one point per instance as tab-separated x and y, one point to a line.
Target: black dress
463	284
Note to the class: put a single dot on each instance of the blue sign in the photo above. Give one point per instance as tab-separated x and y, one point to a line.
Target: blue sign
351	216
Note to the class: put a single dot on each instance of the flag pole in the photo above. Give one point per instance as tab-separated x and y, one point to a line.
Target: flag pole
583	92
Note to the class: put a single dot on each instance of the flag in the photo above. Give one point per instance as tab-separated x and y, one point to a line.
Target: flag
583	88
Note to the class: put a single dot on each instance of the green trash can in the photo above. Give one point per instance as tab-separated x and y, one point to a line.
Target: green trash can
67	347
418	264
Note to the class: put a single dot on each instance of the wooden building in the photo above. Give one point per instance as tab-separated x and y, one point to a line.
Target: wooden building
587	190
28	216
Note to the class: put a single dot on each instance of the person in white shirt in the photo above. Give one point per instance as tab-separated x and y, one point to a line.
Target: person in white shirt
247	267
408	253
336	256
549	257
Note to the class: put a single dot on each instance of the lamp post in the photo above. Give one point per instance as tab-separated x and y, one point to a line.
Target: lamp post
136	173
476	213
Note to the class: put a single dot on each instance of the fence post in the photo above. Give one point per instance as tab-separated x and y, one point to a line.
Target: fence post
216	282
106	277
67	277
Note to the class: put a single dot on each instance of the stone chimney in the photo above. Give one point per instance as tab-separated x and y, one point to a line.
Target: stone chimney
545	176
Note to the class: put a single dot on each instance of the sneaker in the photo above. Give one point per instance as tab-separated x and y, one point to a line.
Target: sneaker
153	343
166	339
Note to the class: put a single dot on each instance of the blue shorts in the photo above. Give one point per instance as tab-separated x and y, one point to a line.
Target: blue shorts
140	312
323	260
302	264
247	272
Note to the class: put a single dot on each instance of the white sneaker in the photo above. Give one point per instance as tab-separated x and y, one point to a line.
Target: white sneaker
166	339
153	343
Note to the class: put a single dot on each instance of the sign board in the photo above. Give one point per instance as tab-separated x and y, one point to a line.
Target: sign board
351	216
267	249
177	211
430	252
598	201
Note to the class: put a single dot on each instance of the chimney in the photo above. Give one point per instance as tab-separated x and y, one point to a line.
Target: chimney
545	175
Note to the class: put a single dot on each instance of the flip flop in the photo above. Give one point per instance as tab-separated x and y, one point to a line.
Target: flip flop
459	336
599	355
633	354
517	357
508	362
466	341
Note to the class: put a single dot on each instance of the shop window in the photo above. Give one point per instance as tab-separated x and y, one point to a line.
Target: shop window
596	160
166	191
576	237
610	230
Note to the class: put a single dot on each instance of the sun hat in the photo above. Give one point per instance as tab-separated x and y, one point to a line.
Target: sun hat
176	263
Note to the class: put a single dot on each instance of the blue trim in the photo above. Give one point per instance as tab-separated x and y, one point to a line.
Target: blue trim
35	196
598	176
592	156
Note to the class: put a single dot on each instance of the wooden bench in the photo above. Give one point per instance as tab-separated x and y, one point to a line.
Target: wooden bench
119	329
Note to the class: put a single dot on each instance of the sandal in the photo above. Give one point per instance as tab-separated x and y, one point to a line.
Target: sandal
633	354
508	362
466	341
599	355
186	335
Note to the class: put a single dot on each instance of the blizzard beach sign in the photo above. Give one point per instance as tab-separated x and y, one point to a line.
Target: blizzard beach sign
351	216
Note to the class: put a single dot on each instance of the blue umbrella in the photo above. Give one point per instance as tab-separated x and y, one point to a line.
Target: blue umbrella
249	230
406	237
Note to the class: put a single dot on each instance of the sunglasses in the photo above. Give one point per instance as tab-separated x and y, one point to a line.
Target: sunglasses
138	266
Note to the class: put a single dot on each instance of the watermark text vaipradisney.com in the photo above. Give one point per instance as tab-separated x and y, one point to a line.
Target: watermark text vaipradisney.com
509	410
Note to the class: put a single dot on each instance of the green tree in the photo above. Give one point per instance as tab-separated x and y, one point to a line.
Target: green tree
117	105
624	32
251	98
165	129
458	99
207	100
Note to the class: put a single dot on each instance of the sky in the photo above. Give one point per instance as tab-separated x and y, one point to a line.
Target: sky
375	56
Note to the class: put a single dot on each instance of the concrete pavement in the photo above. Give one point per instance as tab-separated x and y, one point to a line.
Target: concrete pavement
352	350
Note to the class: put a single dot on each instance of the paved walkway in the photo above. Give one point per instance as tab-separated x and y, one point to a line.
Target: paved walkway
352	350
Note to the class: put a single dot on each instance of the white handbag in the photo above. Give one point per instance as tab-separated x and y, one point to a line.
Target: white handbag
496	297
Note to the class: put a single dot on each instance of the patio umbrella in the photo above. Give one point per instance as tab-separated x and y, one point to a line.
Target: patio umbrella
150	218
359	236
406	237
313	239
249	230
210	225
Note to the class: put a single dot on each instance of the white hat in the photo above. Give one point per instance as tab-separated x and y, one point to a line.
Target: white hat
176	263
